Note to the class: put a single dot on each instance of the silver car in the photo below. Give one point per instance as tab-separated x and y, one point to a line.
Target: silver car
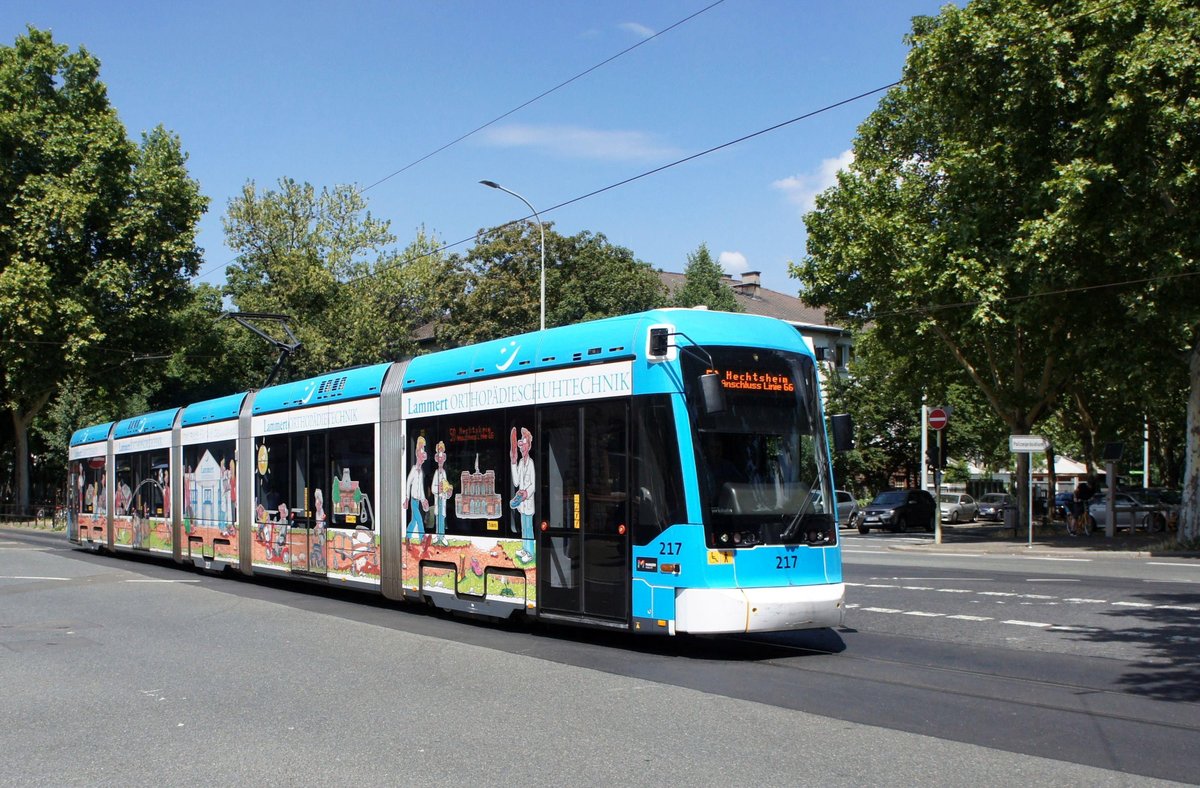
844	503
1130	512
957	507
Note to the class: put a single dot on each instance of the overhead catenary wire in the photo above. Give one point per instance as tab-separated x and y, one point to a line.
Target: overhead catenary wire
504	115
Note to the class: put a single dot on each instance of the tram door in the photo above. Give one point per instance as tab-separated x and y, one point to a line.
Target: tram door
583	510
307	531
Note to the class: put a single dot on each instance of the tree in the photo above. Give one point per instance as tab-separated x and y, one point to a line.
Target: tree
1031	184
97	233
703	285
322	260
586	278
599	279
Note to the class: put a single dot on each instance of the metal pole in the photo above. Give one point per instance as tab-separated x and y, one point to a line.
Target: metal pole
542	232
924	444
1029	499
1146	454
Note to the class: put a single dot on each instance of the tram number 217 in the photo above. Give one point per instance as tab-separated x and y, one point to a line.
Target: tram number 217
670	548
785	562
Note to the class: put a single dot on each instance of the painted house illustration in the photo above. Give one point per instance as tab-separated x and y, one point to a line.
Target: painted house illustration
206	492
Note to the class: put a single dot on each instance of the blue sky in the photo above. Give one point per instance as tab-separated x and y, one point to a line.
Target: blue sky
351	92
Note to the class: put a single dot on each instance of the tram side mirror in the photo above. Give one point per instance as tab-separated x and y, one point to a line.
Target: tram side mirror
658	343
712	393
843	432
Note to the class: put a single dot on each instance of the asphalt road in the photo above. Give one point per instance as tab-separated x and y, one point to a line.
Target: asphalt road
138	672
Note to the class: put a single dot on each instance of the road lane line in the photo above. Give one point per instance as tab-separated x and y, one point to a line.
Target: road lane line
159	580
1018	623
1132	604
922	614
963	617
23	577
1168	563
1084	600
1047	558
880	610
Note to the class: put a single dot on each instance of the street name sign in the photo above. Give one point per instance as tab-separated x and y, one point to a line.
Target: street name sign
1027	443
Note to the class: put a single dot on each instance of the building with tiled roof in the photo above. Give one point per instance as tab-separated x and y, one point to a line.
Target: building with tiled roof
758	300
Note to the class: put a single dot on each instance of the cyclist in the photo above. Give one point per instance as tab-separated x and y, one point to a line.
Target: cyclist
1079	509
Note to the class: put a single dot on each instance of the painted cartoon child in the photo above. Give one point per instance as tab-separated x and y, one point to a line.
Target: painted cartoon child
414	494
441	490
317	558
281	531
523	481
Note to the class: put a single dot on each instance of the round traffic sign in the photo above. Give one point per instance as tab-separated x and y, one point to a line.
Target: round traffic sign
938	419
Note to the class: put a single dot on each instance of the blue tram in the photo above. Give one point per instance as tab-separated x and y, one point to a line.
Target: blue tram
664	472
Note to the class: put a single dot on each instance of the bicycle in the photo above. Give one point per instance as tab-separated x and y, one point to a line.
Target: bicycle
1080	523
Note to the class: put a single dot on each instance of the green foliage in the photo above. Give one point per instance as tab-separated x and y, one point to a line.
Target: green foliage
703	285
1030	187
586	278
322	260
97	235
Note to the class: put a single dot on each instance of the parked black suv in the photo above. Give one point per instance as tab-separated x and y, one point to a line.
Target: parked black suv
896	510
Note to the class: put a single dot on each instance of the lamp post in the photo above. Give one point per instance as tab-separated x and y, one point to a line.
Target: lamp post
542	231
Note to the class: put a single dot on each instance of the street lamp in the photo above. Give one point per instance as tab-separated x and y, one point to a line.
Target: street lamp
541	230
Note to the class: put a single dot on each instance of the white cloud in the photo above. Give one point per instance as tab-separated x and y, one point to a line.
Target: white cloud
576	142
638	30
803	189
733	262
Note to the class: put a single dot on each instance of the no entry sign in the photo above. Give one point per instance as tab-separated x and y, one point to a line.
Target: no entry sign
938	419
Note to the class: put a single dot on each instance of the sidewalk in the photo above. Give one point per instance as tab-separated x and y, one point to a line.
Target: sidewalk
1049	539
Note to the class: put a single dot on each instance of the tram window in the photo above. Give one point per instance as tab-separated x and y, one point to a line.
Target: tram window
605	466
466	476
209	482
658	496
350	481
271	487
92	484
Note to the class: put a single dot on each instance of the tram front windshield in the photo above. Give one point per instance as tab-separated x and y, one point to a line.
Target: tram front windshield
762	462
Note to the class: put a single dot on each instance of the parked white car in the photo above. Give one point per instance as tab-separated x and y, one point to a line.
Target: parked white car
957	507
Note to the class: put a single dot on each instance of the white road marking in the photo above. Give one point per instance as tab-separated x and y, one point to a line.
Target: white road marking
998	593
880	610
23	577
917	588
1052	580
1169	563
1046	558
866	552
1176	607
1132	604
157	580
923	614
970	618
954	590
1037	624
1085	600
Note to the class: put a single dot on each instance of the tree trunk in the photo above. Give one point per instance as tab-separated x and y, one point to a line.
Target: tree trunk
1189	514
21	424
1021	486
